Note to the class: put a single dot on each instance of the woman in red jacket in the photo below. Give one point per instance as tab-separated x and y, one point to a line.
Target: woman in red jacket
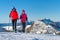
23	18
14	16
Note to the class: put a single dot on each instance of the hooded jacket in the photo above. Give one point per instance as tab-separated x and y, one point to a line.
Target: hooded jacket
13	15
23	17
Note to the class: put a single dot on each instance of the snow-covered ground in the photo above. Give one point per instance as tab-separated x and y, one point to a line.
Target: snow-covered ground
27	36
9	28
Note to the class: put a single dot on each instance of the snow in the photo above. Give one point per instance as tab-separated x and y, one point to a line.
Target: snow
28	26
8	28
18	27
27	36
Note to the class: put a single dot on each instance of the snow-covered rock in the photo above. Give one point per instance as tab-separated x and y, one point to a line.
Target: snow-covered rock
40	27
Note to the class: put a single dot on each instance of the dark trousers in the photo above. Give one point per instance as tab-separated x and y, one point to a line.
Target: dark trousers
24	25
14	22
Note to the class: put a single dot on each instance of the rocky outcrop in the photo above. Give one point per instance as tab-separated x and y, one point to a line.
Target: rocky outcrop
40	27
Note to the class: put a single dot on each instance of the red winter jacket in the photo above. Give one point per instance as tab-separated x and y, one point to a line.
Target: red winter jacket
13	15
23	17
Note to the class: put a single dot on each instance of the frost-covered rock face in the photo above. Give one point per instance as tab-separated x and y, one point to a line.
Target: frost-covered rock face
40	27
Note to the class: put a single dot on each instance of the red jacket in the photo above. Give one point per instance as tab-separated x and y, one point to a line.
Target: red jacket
13	15
23	17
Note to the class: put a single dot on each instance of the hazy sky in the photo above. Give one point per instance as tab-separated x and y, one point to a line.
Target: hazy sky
35	9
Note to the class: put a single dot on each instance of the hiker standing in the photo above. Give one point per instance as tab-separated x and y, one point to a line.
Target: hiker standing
23	18
14	16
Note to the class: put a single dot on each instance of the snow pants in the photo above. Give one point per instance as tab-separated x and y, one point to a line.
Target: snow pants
14	22
23	25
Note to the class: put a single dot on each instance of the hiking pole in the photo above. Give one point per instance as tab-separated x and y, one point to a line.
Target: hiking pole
9	22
